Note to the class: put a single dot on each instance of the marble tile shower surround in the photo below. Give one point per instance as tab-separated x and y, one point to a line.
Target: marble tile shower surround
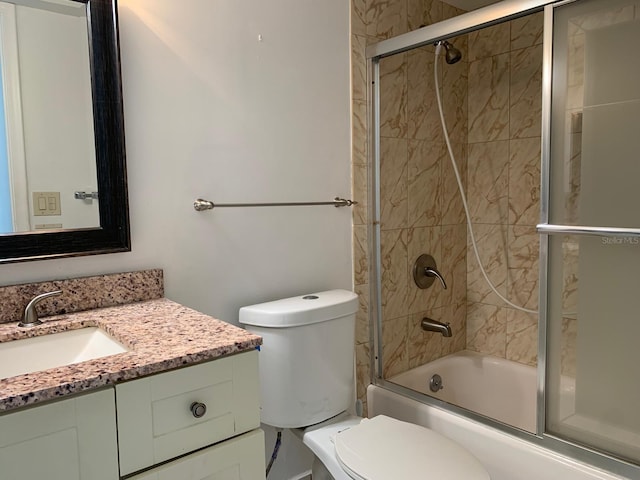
407	132
504	108
492	101
493	108
503	175
503	118
81	294
421	211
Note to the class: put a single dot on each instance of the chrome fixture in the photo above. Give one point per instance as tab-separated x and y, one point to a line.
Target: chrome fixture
30	318
200	204
429	325
425	271
435	383
550	229
85	195
452	54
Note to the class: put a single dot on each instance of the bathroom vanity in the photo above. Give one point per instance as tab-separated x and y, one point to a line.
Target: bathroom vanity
181	402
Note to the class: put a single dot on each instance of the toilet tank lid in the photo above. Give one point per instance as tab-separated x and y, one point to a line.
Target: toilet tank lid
301	310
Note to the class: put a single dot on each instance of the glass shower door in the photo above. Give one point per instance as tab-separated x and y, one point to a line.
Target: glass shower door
593	228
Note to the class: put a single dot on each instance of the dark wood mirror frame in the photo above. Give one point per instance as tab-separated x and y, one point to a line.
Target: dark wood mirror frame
108	117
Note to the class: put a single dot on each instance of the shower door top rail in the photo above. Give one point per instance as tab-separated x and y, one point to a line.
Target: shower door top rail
465	23
587	230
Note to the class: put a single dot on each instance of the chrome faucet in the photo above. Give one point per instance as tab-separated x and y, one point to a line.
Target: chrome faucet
430	325
30	318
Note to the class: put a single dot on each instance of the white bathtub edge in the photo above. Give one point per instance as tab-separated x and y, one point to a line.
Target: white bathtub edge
504	456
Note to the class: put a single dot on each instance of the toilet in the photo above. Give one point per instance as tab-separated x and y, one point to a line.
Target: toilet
306	383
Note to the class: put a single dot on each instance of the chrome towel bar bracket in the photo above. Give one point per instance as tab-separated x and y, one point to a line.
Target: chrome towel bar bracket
85	195
200	204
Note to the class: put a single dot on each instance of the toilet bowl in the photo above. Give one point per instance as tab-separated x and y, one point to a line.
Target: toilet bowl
307	384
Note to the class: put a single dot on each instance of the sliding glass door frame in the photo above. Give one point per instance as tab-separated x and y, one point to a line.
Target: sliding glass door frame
476	20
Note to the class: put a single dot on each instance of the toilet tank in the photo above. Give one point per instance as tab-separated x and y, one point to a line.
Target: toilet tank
307	356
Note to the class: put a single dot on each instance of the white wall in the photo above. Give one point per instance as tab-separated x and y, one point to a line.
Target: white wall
212	111
57	112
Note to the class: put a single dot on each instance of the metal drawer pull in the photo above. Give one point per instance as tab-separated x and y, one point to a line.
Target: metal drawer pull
198	409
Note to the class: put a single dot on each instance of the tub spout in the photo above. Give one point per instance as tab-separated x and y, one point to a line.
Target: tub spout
430	325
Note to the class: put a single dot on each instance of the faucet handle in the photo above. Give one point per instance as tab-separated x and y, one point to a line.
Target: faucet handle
432	272
425	271
30	318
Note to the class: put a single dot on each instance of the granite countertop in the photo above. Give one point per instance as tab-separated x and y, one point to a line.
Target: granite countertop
160	334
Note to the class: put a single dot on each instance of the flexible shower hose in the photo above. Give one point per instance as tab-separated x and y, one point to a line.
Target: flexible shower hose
461	190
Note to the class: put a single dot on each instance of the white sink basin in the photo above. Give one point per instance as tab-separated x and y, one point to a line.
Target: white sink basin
55	350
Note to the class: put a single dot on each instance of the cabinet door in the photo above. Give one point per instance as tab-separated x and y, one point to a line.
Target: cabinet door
73	439
241	458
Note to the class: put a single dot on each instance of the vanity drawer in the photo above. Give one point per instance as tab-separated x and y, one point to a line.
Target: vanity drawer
241	458
155	417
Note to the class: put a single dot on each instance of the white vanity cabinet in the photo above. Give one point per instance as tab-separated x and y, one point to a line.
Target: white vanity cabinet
72	439
198	422
165	416
237	459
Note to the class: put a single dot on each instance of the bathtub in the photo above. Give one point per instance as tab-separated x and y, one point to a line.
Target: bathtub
491	386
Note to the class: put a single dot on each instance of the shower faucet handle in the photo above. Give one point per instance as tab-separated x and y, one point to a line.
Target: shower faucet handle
425	271
432	272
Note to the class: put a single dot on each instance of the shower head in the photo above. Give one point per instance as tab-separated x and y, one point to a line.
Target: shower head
452	54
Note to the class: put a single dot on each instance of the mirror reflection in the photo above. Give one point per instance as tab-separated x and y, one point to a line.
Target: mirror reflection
47	152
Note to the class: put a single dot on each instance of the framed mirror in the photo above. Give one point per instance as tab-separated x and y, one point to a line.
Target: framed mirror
63	187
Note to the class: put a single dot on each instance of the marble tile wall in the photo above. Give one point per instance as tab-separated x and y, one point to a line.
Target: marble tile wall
493	108
419	208
421	212
503	177
492	102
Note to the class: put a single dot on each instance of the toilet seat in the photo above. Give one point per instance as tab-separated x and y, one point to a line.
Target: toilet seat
384	448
